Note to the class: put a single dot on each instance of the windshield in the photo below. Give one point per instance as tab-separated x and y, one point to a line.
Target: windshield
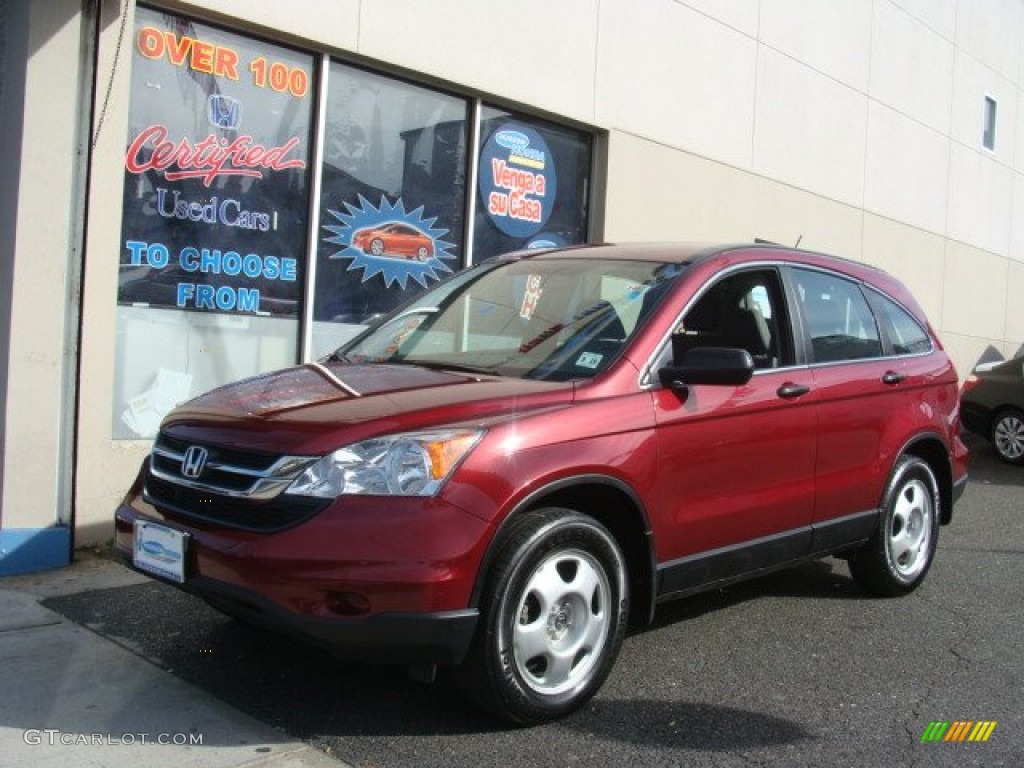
553	319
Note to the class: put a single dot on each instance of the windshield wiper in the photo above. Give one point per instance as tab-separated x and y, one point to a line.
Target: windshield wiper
440	365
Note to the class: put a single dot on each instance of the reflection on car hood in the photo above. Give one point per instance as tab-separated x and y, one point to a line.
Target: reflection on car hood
293	410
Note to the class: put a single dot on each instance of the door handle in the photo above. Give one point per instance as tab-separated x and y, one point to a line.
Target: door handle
790	390
891	377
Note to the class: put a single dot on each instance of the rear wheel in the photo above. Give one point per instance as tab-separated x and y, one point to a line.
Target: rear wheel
897	557
553	617
1008	436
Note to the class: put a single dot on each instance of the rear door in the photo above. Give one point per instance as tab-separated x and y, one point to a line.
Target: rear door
861	396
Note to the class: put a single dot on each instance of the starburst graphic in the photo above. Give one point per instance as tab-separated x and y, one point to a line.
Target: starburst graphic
392	267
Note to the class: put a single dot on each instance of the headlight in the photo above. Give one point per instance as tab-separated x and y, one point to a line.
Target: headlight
411	464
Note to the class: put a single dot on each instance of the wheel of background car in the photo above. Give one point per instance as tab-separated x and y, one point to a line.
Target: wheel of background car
553	616
422	254
1008	436
897	557
377	246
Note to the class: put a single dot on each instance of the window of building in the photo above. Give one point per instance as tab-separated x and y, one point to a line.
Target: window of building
215	214
988	134
532	184
253	239
392	199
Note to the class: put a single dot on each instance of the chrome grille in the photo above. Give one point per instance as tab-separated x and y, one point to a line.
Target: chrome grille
228	472
235	489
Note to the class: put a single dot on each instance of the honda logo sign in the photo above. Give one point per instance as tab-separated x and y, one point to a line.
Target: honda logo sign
193	461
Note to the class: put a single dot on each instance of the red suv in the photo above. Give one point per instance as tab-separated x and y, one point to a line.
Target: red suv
505	473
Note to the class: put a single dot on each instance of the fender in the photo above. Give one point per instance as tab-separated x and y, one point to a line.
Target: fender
557	486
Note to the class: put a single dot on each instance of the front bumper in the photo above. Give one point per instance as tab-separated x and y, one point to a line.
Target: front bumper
432	638
976	419
370	584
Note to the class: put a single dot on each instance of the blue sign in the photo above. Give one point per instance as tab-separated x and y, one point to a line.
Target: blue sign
518	184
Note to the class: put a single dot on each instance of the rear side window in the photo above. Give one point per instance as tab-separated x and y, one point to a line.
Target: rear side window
905	334
839	321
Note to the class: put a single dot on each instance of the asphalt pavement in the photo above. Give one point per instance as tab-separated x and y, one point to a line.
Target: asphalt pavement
795	669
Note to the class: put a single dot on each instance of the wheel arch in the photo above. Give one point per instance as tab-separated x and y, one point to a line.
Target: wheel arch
613	504
935	453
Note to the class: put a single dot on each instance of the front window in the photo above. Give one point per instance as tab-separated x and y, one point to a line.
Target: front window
553	319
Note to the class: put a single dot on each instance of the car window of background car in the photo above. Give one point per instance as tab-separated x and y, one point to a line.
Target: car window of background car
839	320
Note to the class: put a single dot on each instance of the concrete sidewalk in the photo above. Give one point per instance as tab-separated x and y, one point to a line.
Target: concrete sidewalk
71	697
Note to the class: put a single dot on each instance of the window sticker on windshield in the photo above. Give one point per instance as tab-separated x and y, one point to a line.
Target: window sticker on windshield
531	297
589	360
636	291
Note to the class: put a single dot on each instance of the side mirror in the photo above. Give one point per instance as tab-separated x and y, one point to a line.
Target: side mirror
722	366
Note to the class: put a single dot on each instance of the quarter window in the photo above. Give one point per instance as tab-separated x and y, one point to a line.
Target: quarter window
905	334
838	318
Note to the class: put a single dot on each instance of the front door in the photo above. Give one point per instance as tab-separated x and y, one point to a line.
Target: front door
736	464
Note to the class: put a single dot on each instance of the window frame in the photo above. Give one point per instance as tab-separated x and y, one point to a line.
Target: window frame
872	296
789	328
875	297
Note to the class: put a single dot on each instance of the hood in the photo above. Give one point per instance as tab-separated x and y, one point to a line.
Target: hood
313	408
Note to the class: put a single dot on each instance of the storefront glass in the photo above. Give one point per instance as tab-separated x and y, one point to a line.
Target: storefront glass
217	260
215	214
532	184
392	198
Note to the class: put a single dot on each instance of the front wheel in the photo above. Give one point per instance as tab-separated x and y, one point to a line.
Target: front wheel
897	557
553	617
1008	436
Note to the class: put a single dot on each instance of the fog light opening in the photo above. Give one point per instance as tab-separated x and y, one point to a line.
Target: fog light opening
348	603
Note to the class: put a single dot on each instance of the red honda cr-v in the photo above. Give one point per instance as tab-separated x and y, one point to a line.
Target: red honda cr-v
503	474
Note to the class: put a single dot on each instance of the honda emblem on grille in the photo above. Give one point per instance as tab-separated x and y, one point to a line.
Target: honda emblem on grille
193	461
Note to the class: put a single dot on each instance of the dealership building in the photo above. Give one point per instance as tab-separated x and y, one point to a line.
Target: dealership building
193	192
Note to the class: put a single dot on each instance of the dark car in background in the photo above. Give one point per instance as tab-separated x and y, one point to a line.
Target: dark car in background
505	473
992	406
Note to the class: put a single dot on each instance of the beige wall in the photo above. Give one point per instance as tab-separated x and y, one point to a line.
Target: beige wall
854	127
33	469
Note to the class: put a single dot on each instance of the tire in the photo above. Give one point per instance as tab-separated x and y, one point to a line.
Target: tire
1008	436
553	616
377	247
422	254
897	557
